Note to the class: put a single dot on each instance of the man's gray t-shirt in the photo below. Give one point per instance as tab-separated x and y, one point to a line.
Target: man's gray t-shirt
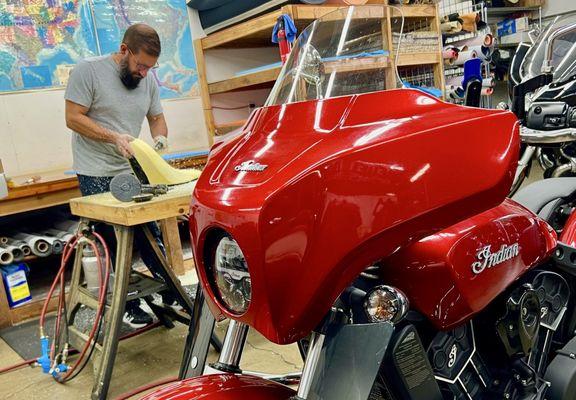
95	83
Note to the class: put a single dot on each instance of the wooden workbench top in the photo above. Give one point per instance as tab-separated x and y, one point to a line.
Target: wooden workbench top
104	207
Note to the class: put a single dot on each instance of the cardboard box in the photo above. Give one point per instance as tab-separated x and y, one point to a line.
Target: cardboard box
510	26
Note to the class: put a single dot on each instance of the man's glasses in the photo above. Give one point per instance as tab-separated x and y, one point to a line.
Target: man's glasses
142	67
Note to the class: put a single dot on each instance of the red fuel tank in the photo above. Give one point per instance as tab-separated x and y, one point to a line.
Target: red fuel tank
455	273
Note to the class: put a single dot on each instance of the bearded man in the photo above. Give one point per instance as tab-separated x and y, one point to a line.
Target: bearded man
107	99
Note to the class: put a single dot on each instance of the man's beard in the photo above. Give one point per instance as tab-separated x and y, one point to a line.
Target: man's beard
129	80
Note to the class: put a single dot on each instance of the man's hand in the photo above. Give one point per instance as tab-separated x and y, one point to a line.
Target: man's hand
122	142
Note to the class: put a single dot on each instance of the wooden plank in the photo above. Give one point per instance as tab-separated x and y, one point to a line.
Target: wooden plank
32	309
204	92
5	319
41	188
357	64
257	31
104	207
255	78
406	59
171	238
270	75
311	13
259	24
14	206
417	10
222	129
439	77
386	29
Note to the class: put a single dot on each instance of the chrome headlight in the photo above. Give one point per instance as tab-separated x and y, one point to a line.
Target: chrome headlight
231	277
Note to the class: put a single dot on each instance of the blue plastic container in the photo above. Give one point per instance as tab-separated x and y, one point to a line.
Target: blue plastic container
16	284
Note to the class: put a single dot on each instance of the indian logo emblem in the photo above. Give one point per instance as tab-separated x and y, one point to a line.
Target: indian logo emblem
250	166
487	259
452	357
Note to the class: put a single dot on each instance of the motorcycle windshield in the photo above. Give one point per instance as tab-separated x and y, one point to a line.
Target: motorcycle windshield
563	54
345	52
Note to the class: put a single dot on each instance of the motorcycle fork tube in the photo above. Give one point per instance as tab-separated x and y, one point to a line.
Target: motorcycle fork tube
312	358
229	360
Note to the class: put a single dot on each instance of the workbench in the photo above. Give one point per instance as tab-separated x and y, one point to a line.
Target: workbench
124	217
55	188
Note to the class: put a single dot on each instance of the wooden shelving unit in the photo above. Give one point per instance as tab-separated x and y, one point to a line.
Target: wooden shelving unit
257	32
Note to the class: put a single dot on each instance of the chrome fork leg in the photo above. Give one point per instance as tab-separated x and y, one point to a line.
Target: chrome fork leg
312	358
229	360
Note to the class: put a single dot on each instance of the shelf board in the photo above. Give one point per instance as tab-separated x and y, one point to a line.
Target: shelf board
222	129
416	11
256	32
243	81
341	66
408	59
499	11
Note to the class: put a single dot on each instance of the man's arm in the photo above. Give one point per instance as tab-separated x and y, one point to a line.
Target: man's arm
78	121
159	130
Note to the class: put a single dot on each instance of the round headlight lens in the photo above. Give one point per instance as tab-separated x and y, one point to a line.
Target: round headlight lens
231	276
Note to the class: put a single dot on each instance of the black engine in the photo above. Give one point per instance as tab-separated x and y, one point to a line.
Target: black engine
504	353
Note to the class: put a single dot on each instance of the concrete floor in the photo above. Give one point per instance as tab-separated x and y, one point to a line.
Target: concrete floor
149	357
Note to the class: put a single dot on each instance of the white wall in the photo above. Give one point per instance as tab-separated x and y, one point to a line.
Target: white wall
552	7
34	137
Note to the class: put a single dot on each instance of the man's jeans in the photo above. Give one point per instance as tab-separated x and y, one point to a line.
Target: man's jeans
90	185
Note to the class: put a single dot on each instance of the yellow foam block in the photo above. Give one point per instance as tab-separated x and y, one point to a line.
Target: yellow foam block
157	169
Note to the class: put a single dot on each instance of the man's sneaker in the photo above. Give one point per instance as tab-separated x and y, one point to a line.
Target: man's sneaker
167	299
137	318
173	305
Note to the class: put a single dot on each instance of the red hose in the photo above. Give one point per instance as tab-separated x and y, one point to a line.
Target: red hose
141	389
16	366
103	285
101	304
74	351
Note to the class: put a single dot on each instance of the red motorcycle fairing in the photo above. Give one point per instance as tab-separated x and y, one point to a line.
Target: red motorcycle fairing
449	276
568	235
223	387
344	182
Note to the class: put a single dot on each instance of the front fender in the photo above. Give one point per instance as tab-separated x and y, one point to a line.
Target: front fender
223	387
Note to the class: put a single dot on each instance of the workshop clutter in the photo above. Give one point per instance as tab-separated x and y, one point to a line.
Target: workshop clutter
39	242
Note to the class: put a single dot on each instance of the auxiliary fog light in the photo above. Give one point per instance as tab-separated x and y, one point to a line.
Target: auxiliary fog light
386	304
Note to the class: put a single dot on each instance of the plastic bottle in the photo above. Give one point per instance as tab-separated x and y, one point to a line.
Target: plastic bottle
91	270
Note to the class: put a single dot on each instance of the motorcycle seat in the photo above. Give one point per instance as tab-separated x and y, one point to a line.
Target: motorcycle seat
543	197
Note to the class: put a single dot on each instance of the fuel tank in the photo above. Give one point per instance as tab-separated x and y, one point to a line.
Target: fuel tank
453	274
315	191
